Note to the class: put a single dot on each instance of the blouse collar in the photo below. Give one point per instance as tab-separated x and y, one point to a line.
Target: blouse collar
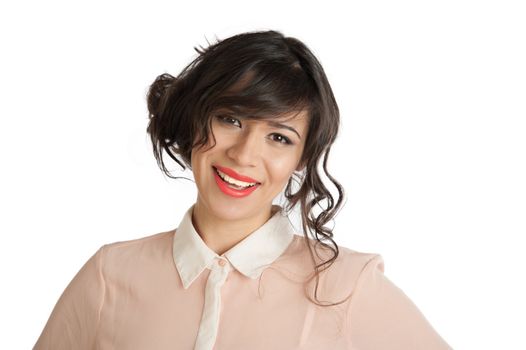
250	256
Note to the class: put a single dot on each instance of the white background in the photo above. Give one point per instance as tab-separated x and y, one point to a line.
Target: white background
431	150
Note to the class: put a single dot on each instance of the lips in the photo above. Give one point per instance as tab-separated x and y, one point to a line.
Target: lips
233	174
227	189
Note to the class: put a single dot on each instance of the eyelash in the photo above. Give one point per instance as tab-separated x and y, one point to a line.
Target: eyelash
224	118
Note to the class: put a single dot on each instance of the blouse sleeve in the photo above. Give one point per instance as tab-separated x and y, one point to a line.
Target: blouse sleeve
75	317
383	317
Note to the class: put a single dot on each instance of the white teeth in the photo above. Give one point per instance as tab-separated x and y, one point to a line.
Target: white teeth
234	181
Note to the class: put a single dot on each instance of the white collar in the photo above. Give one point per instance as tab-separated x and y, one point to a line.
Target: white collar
250	256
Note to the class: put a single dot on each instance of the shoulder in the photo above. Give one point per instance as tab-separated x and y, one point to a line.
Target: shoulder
348	261
348	268
352	265
138	243
358	261
138	251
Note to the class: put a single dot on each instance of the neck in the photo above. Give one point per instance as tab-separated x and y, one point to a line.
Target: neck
220	234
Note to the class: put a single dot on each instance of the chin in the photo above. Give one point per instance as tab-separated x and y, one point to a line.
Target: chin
233	212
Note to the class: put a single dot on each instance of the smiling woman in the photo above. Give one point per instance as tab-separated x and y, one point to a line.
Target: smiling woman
253	116
258	154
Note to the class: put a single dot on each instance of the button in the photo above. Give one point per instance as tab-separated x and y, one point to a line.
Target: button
221	262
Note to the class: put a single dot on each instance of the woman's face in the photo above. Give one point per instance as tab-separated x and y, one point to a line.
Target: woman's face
260	151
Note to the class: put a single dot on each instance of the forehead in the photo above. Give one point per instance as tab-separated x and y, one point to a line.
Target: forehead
242	101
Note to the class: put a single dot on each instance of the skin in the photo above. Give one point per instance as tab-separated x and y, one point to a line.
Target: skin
252	148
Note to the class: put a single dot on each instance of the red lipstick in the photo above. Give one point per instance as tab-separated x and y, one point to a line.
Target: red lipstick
235	175
226	189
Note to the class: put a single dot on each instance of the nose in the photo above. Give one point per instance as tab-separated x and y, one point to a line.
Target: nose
245	150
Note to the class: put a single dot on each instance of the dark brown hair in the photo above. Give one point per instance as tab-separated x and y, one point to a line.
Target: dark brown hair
257	75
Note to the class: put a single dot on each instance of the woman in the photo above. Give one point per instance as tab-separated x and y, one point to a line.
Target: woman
253	117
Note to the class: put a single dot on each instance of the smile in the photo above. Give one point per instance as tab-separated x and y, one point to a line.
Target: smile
233	187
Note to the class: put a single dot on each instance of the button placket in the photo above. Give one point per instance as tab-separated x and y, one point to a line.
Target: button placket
207	333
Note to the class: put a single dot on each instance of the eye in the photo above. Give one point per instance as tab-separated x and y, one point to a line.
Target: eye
227	119
282	139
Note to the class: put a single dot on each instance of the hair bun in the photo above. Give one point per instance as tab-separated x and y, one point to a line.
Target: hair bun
158	92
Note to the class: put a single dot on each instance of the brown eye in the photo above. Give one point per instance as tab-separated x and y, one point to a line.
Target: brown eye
227	119
282	139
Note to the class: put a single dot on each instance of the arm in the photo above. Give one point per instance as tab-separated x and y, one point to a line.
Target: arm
75	317
383	317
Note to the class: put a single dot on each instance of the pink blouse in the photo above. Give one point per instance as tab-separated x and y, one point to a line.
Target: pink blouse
170	291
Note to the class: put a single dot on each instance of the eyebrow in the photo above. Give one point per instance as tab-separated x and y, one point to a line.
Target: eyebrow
283	126
272	123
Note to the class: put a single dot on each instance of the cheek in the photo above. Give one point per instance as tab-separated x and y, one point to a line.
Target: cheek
195	158
281	168
198	162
